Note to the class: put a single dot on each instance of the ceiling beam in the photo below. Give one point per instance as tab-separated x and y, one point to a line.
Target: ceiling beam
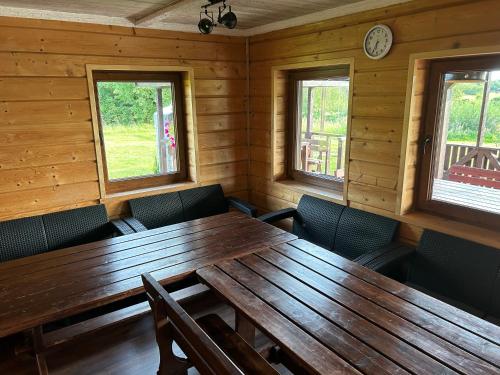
160	13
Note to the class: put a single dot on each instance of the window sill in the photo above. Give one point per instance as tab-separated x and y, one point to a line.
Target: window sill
149	191
315	191
469	232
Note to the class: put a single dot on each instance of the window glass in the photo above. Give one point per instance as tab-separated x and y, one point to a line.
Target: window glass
466	161
320	119
138	128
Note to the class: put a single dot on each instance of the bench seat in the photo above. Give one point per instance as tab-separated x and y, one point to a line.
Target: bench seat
112	319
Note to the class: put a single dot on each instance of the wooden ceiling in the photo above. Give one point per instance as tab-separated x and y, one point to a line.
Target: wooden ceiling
185	14
253	13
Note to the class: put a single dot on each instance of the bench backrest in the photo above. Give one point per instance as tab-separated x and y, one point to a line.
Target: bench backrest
318	220
38	234
22	237
359	232
203	202
158	210
172	208
76	227
347	231
462	270
173	322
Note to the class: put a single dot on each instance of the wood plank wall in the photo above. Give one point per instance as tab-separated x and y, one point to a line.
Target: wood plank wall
379	90
47	156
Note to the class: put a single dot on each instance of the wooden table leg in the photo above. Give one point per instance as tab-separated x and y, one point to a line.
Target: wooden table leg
39	349
245	329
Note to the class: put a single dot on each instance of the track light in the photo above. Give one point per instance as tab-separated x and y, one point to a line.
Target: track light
227	19
206	24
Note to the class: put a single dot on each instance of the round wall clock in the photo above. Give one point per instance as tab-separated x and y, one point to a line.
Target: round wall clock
378	42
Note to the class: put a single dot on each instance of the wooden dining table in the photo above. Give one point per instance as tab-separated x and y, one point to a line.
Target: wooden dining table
329	315
48	287
325	313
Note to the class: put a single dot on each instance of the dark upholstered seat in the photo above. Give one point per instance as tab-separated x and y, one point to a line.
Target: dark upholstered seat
346	231
22	237
158	210
360	232
171	208
464	273
76	227
203	202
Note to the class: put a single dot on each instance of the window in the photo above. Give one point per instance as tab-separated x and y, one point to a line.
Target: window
319	116
141	128
460	170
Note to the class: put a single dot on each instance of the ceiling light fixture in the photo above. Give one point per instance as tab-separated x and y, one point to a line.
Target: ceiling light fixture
226	17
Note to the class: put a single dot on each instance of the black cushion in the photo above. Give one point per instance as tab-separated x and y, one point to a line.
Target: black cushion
203	202
318	220
75	227
360	232
158	210
22	237
461	270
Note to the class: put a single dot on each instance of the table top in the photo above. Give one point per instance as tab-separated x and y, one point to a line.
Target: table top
51	286
331	315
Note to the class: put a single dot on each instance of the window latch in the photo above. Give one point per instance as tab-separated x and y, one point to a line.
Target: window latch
427	141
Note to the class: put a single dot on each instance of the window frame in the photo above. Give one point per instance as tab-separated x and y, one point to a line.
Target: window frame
148	181
294	76
431	131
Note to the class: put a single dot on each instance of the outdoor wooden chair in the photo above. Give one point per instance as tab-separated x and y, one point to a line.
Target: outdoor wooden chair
211	346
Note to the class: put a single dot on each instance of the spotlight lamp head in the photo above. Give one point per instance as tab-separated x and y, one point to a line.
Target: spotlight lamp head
229	19
206	24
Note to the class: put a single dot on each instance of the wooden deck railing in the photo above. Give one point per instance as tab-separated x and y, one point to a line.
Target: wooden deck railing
317	150
471	156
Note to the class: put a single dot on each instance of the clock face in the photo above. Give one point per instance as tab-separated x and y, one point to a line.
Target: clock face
378	41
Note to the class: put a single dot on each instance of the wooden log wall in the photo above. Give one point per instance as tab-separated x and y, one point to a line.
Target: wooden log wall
47	154
379	91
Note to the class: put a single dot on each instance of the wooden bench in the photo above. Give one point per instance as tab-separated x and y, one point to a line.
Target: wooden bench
209	343
44	342
474	176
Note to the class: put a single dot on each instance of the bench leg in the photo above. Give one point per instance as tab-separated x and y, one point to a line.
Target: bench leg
245	329
170	364
41	363
39	348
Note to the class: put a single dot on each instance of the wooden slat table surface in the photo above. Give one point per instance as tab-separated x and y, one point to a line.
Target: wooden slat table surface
51	286
331	315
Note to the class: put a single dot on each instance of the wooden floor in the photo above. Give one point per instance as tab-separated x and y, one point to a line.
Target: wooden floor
486	199
128	350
